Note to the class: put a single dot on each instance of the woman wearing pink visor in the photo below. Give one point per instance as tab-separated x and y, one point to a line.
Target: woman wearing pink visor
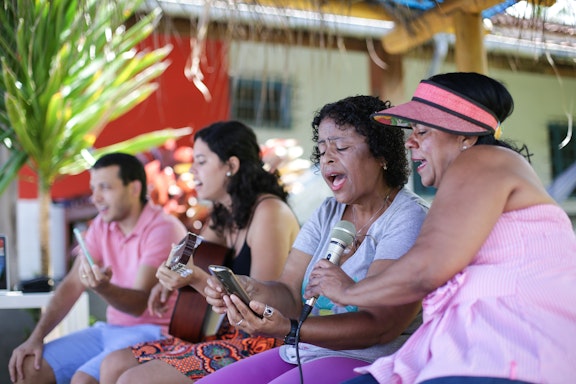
495	261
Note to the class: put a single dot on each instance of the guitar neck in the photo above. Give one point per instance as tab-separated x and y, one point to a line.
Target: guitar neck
183	251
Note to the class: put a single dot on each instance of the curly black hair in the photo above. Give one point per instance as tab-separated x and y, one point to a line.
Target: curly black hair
233	138
386	144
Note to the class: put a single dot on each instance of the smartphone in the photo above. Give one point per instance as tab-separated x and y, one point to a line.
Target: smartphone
231	283
83	246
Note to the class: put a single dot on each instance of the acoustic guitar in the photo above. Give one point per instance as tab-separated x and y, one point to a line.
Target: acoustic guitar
192	312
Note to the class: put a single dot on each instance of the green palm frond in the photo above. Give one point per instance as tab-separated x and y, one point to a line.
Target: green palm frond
85	159
69	67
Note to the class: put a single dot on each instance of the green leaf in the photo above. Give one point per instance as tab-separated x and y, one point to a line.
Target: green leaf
18	119
9	170
138	144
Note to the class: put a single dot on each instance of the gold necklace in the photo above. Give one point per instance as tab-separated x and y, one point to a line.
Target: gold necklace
385	204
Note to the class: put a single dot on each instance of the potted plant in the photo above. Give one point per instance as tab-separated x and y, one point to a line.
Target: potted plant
68	67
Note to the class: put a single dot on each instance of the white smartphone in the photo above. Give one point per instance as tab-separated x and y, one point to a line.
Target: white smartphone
83	246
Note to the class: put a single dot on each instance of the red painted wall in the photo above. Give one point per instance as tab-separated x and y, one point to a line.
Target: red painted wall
177	103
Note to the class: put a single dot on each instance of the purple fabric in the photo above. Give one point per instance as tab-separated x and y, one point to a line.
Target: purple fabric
268	367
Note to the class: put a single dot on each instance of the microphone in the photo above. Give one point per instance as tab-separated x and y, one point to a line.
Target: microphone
341	237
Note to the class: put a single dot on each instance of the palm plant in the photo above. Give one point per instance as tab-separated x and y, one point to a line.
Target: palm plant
68	68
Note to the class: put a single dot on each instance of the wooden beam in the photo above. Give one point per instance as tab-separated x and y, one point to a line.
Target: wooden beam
387	81
543	3
470	53
424	27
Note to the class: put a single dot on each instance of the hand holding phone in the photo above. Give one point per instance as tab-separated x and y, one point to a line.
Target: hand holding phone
83	246
231	284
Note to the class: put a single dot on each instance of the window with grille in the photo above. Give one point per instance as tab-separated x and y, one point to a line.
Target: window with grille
262	103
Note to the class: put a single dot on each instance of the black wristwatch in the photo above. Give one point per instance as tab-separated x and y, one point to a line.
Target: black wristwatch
290	338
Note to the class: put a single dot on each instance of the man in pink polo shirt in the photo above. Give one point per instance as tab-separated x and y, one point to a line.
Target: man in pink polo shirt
127	241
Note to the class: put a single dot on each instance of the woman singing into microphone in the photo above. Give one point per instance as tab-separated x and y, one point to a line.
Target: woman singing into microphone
366	168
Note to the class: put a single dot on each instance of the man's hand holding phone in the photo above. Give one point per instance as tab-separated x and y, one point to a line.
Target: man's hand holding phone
82	244
90	274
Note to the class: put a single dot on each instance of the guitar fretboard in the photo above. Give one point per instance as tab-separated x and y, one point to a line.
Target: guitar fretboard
182	252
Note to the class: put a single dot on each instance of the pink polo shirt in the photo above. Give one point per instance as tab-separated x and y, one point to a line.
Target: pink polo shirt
149	243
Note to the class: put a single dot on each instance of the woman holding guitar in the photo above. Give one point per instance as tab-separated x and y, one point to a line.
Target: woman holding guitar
249	215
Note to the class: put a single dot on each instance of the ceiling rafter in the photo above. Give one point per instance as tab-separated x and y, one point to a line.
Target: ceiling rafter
369	19
437	20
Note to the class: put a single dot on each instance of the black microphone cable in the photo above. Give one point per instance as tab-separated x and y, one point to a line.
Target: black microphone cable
305	312
296	341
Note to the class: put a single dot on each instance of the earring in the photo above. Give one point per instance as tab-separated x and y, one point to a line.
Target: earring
384	166
229	174
464	148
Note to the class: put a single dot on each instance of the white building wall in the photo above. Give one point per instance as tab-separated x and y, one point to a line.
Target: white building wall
318	77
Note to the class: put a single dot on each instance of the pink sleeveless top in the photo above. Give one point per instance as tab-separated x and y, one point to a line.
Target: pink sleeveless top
510	314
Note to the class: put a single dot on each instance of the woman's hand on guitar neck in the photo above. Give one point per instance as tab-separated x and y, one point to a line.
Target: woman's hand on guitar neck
157	300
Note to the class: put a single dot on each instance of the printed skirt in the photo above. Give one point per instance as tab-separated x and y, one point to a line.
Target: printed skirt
198	360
